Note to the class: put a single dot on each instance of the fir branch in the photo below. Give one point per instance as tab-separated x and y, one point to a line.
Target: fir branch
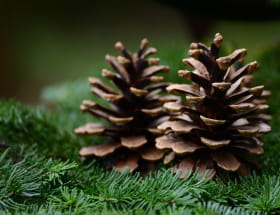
32	126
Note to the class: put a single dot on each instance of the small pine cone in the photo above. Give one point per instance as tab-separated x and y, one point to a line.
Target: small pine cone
217	128
135	112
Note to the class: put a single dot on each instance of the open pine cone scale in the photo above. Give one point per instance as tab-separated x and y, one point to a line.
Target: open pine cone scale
136	108
225	117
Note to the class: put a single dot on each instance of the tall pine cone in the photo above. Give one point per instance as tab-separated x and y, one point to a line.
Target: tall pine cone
217	128
135	112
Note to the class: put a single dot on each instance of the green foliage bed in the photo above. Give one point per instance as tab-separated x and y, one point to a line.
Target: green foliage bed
40	170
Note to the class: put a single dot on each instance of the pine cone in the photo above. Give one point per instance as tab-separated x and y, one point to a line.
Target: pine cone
135	112
217	128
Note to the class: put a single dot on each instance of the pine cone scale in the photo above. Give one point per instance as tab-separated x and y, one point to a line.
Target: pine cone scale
186	165
191	62
152	70
169	157
130	162
152	154
99	84
90	128
253	149
178	126
118	68
214	143
99	150
148	52
183	147
226	160
133	141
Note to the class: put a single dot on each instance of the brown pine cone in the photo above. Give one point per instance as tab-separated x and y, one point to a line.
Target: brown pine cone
135	109
218	126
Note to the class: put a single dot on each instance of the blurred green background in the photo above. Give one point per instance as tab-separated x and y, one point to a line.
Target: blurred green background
47	42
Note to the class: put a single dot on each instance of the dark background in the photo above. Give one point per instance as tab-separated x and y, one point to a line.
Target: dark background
46	42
